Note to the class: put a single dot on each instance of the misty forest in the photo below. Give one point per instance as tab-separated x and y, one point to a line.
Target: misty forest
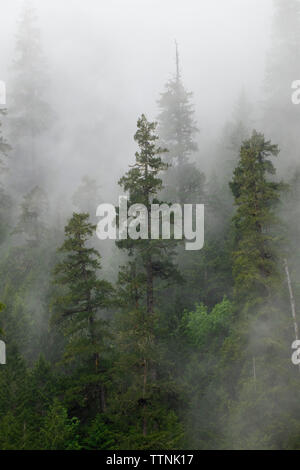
141	344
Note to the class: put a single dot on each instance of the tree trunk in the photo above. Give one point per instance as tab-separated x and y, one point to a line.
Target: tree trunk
292	300
254	372
144	398
149	285
103	398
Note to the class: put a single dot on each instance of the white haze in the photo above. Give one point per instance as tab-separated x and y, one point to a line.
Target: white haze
109	60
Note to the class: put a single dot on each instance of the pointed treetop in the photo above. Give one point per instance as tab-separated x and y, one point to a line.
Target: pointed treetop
177	62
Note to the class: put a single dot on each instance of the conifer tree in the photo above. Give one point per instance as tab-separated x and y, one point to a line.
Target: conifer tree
5	200
4	145
58	431
143	183
177	131
30	115
280	115
33	218
256	375
141	360
25	269
177	126
256	198
77	307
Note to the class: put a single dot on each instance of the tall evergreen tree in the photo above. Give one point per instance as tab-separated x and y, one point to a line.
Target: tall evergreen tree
30	115
77	307
280	116
143	183
25	269
177	126
257	376
256	198
32	221
177	130
141	360
4	145
5	200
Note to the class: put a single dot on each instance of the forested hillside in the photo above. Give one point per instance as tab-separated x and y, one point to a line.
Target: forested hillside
141	344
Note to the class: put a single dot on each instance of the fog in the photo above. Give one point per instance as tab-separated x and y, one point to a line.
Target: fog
108	61
198	343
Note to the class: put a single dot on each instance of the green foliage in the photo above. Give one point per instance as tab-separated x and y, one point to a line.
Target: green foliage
169	358
77	305
59	432
256	197
142	180
177	127
177	130
4	145
143	387
153	258
203	327
30	113
83	294
32	220
5	199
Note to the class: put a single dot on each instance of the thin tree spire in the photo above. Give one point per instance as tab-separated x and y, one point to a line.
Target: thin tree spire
177	62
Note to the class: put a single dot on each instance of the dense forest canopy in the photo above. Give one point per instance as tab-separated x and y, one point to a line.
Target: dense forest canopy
138	344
